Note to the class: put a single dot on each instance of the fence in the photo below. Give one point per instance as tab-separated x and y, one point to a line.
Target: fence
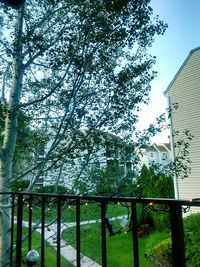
23	205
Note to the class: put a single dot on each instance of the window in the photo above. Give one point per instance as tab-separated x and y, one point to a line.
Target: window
164	156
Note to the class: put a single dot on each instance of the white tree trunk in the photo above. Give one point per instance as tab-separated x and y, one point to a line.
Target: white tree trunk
9	142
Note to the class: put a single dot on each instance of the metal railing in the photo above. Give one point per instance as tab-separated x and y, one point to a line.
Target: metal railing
21	201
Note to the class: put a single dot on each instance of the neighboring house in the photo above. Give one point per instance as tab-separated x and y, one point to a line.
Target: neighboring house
184	92
107	149
157	154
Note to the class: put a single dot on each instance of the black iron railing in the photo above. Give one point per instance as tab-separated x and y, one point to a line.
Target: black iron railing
22	207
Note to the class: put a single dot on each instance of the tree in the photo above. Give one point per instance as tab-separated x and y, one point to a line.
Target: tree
153	183
71	64
110	180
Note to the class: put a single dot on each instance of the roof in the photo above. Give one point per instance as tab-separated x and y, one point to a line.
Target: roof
180	69
164	147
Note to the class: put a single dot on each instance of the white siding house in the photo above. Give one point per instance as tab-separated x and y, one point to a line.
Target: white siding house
110	150
157	154
184	92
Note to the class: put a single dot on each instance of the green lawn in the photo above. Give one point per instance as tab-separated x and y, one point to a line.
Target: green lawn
119	247
50	253
89	211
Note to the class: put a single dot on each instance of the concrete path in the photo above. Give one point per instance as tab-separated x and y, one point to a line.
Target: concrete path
67	251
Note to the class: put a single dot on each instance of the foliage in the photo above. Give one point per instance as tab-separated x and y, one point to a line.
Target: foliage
163	253
191	237
153	184
71	65
112	180
181	166
111	171
80	65
51	189
27	140
18	186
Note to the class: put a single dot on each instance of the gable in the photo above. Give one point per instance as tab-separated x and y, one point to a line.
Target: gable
193	59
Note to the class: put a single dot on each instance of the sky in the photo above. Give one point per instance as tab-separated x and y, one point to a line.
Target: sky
170	49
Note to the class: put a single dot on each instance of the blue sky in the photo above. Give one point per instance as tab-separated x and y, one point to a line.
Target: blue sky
171	49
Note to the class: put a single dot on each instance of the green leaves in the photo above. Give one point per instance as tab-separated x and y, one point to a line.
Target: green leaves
181	166
85	66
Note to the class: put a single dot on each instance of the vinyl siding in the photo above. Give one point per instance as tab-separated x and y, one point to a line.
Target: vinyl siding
185	91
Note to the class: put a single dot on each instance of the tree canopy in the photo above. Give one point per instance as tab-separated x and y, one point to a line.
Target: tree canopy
75	64
69	65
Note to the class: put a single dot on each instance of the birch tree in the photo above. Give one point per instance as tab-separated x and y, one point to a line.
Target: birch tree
69	65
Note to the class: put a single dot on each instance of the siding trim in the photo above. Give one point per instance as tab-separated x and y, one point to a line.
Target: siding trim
180	69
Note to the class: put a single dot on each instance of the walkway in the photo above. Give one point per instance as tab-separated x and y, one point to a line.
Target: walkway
67	251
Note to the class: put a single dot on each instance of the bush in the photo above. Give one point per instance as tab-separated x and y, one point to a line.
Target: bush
51	189
19	186
162	253
154	184
192	240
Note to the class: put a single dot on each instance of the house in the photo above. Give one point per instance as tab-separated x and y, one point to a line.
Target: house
157	155
100	150
184	100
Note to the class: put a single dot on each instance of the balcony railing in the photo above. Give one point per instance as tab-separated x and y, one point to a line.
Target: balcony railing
22	209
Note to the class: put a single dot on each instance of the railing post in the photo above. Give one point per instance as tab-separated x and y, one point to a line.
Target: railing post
19	230
78	233
134	234
178	248
12	229
59	202
103	234
43	232
30	223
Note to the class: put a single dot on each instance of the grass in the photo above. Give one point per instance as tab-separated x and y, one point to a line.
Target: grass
50	253
119	246
89	211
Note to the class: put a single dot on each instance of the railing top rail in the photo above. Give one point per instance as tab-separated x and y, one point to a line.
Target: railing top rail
192	202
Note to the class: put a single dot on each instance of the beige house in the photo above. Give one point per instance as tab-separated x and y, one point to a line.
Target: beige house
184	93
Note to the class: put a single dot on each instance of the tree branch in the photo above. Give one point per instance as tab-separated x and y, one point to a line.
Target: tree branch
50	93
46	17
26	171
4	45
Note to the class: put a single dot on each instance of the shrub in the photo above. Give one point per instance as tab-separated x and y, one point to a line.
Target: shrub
192	240
51	189
161	254
154	184
19	186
